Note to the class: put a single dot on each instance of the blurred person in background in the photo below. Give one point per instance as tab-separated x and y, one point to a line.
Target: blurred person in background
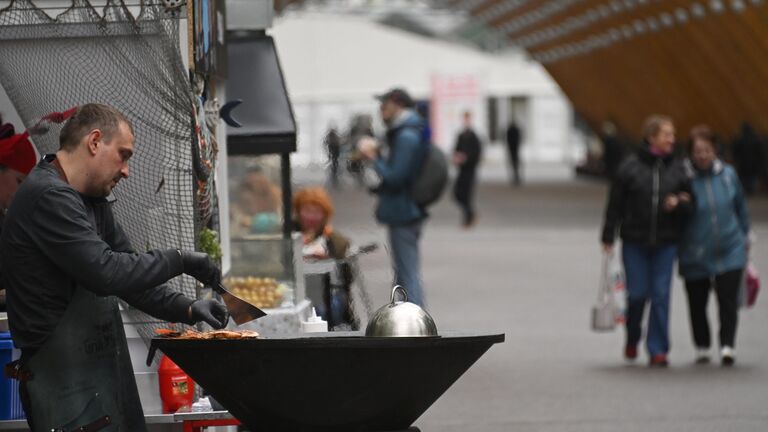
423	110
258	205
613	153
333	148
514	138
648	203
466	156
713	250
748	157
312	212
405	154
17	158
361	127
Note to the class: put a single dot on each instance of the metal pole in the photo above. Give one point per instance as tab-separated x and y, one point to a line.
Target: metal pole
285	162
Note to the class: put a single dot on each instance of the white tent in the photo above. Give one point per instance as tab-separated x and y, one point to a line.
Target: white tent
341	57
334	64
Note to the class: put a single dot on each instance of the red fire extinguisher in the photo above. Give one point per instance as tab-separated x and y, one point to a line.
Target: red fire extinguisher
177	390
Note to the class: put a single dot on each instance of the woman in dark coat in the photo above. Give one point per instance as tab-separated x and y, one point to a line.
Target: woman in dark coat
649	201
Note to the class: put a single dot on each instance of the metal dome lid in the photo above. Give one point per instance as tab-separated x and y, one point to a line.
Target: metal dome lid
401	319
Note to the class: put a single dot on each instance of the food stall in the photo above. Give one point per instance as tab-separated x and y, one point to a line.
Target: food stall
160	64
281	380
266	262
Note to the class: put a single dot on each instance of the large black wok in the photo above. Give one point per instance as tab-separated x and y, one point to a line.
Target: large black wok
327	382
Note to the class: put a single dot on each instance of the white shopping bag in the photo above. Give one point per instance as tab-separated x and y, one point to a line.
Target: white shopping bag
615	281
611	297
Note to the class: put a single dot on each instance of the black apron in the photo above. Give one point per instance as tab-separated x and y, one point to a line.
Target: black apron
82	378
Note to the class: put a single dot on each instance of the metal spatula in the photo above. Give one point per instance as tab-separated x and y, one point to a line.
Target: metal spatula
240	310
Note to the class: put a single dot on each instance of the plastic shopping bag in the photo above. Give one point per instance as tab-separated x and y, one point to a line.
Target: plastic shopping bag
609	308
750	286
615	280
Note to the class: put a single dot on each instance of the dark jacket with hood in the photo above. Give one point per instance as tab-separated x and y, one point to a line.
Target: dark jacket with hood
55	240
635	204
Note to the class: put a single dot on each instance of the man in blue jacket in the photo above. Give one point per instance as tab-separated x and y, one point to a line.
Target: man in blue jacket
397	170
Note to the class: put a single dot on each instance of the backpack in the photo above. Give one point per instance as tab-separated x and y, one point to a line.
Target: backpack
431	180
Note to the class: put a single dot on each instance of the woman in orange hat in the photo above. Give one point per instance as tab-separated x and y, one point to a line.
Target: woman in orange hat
312	212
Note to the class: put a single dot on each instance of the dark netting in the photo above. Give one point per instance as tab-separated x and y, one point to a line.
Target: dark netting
109	56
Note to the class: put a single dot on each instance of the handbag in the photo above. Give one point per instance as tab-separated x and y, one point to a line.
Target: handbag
604	311
750	286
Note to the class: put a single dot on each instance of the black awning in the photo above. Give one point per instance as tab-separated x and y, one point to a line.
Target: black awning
255	76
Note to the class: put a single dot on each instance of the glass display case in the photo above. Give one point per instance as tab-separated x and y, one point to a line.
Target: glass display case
256	196
263	251
266	270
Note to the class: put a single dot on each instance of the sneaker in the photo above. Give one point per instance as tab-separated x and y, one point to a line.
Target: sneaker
659	360
630	352
702	355
727	356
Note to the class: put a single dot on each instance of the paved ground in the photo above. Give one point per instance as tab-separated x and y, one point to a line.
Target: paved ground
530	270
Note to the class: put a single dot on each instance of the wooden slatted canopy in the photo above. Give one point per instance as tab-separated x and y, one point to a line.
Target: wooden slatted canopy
702	61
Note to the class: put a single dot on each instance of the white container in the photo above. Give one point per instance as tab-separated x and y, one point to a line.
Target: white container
314	324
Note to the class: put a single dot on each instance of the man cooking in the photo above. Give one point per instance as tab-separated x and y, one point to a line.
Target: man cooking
64	259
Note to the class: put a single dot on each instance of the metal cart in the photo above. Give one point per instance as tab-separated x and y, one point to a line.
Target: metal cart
337	289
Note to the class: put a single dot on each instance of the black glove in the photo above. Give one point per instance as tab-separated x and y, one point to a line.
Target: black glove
210	311
201	267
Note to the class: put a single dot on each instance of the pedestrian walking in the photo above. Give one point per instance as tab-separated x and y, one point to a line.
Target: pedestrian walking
333	149
361	127
397	171
713	250
466	156
612	151
514	138
749	158
648	203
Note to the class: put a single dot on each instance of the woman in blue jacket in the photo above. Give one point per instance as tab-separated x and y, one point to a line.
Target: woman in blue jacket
713	251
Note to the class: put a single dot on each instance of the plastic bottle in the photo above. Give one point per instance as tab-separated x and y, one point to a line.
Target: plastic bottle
202	405
177	390
314	324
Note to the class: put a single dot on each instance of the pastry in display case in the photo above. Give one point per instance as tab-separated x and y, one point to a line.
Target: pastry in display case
260	292
264	269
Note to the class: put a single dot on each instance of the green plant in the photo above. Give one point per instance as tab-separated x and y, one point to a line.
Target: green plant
209	243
